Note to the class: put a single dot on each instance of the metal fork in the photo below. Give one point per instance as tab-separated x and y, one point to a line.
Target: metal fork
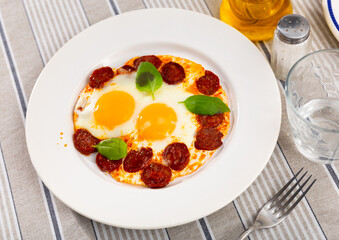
277	209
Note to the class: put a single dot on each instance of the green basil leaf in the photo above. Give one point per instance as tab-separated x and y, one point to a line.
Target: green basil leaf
205	105
148	78
113	148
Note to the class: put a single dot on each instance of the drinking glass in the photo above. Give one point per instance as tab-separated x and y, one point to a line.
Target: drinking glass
312	101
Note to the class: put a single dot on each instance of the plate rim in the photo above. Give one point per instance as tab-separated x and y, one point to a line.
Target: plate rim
331	20
28	120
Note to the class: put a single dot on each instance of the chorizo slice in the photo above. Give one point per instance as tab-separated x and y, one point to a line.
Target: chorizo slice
156	175
208	139
148	58
210	121
173	73
126	69
107	165
83	141
137	160
208	84
100	76
176	155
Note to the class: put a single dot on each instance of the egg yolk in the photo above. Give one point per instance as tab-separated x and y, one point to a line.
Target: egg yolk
113	109
156	122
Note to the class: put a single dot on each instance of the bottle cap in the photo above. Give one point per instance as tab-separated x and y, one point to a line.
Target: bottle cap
293	29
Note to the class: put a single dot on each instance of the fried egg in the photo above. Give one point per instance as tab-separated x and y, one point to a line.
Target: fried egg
120	109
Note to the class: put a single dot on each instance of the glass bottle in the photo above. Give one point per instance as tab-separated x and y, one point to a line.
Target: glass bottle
256	19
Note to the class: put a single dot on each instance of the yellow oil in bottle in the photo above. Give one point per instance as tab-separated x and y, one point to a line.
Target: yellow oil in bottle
256	19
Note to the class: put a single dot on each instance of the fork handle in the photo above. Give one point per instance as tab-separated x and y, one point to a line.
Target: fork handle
246	233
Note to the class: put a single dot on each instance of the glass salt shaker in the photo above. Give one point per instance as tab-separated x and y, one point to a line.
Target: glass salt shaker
291	42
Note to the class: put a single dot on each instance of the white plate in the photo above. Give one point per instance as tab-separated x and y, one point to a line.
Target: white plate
331	12
75	180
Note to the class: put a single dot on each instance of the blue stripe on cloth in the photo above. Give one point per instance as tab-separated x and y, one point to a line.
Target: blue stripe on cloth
114	7
52	212
267	53
168	236
205	229
95	233
333	175
10	188
24	109
143	1
315	217
242	222
14	73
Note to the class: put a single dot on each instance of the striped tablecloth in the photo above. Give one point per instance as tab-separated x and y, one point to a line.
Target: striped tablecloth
31	31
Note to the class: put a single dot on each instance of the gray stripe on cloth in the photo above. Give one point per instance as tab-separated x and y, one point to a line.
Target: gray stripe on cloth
52	212
95	232
264	48
84	13
242	222
146	6
205	229
208	8
13	71
114	7
30	25
333	174
24	110
7	185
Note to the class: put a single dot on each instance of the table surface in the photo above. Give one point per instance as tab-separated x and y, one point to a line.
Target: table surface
31	31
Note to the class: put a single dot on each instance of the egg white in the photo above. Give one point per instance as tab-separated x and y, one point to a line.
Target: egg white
170	95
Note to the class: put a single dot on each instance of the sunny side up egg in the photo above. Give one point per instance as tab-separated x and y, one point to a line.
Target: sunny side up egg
117	109
120	109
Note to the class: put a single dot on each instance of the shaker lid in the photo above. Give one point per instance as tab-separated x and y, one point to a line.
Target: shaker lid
293	29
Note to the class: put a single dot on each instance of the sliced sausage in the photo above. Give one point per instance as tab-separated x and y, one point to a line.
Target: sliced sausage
138	160
208	139
148	58
208	84
156	175
210	121
176	155
100	76
107	165
83	141
126	69
173	73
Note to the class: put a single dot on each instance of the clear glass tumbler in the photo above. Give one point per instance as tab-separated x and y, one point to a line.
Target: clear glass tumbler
312	101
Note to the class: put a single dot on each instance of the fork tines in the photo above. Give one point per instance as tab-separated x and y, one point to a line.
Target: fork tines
281	201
